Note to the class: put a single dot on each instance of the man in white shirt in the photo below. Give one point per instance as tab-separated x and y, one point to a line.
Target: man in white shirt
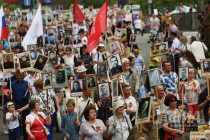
102	54
75	27
198	49
138	25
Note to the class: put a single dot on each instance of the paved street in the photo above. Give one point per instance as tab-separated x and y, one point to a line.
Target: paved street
145	49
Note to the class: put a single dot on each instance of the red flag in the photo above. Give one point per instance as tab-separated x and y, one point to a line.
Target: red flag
77	12
5	91
99	25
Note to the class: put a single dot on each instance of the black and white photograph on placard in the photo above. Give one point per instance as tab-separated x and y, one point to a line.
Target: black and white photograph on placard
61	80
76	88
52	56
114	86
164	47
144	110
60	28
33	55
183	74
205	67
156	113
3	78
115	65
91	81
77	41
8	62
40	63
24	61
47	80
102	69
13	25
115	47
154	77
109	34
32	47
104	91
118	33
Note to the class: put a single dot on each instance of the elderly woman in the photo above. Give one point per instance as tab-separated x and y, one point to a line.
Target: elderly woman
47	101
120	124
92	128
172	118
34	128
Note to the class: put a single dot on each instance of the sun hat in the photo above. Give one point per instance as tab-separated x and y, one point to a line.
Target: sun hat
9	104
81	69
101	45
118	104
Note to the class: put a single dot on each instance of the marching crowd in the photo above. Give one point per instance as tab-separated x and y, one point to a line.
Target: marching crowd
105	112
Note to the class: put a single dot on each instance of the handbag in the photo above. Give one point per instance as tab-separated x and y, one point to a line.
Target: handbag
45	128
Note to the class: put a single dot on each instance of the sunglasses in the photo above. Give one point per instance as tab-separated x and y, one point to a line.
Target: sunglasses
173	101
67	50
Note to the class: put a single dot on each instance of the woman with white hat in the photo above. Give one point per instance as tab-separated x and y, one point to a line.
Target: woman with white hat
120	124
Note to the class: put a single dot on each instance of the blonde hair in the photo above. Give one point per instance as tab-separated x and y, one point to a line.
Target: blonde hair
183	39
70	101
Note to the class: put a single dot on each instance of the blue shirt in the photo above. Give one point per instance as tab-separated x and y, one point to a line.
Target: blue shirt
69	127
19	89
139	62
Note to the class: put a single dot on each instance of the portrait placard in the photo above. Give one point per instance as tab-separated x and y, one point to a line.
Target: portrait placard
40	63
183	75
114	86
32	47
115	47
76	88
24	60
102	69
77	41
109	34
61	79
115	65
91	83
118	33
143	110
52	57
8	62
156	113
47	80
3	78
159	49
104	91
154	77
205	67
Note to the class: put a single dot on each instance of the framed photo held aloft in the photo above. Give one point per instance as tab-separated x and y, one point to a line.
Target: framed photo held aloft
109	34
205	67
61	80
47	80
32	47
143	110
102	69
183	75
24	60
159	49
4	78
114	86
154	77
156	113
76	88
115	65
91	83
8	62
77	41
115	47
118	33
104	93
52	57
40	63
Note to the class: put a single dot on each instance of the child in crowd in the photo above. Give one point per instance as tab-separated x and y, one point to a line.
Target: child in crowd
13	124
69	123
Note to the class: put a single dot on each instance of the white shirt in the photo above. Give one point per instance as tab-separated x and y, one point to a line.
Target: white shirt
197	49
175	44
30	118
30	79
98	56
12	124
75	28
138	24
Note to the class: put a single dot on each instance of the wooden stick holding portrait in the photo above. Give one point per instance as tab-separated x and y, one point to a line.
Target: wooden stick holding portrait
208	86
122	93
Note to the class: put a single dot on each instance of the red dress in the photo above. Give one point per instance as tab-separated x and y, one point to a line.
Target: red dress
37	129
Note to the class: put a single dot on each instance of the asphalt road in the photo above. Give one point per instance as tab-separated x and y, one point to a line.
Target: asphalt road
144	48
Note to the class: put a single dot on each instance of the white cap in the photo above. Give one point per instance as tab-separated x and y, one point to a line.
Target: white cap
81	69
101	45
9	104
118	104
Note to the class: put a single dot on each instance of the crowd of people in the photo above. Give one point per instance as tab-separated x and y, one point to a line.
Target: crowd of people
101	94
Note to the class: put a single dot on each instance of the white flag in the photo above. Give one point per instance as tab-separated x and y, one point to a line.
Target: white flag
35	30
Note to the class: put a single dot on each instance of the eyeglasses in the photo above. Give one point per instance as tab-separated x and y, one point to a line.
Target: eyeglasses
67	50
173	101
